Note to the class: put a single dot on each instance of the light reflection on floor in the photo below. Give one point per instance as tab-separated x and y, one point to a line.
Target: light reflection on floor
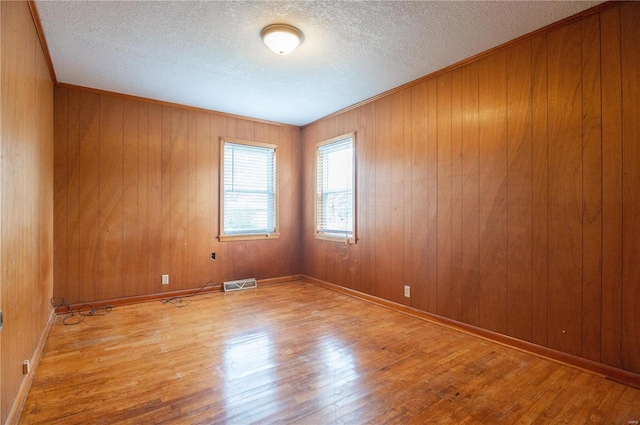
250	366
249	355
342	372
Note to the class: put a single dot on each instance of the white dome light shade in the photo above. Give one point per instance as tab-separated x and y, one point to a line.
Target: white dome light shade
281	38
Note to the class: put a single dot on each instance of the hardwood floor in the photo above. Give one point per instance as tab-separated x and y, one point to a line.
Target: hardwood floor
298	353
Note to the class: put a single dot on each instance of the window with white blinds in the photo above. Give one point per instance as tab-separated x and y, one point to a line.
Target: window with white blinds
248	186
335	189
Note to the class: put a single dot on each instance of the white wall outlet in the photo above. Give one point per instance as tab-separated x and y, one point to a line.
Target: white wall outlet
165	279
407	291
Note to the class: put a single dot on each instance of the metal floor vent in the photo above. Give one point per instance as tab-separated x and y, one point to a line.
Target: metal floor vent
236	285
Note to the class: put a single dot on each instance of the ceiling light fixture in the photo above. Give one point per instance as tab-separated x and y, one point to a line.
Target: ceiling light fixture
281	38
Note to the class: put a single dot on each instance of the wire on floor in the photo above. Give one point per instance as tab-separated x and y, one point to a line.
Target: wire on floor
179	301
84	311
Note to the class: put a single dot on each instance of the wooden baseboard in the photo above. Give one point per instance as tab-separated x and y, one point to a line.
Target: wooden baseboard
23	391
608	372
276	280
116	302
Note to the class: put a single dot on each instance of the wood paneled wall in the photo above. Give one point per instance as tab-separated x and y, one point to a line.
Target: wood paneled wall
505	192
136	197
26	196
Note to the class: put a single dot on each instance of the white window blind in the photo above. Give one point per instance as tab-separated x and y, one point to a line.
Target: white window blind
335	189
249	189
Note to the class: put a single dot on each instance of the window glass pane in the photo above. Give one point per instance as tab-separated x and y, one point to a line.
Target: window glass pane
337	212
249	189
338	173
334	189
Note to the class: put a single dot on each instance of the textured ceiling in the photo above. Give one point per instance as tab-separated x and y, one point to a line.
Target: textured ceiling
209	54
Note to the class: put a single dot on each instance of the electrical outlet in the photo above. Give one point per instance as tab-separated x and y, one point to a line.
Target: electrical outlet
213	256
165	279
26	367
407	291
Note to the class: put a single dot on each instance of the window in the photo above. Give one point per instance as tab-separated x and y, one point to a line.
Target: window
335	189
248	201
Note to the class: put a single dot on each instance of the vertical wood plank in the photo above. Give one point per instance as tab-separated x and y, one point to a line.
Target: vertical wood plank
289	186
520	204
193	255
178	198
630	45
592	190
492	185
456	194
111	202
358	251
60	193
288	178
89	202
73	212
130	198
539	91
407	180
396	196
247	129
231	126
43	158
297	249
565	188
366	165
203	214
611	187
382	287
267	133
470	266
165	196
142	244
444	213
154	199
432	197
419	166
2	94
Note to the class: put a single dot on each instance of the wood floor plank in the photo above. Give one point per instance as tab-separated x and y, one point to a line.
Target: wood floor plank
298	353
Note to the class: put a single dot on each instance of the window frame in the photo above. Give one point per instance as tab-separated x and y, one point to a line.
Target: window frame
332	237
224	237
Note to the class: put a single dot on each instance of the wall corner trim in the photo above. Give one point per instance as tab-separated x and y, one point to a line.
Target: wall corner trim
43	41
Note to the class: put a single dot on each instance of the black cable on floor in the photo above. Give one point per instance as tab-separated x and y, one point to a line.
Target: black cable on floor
178	300
84	311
